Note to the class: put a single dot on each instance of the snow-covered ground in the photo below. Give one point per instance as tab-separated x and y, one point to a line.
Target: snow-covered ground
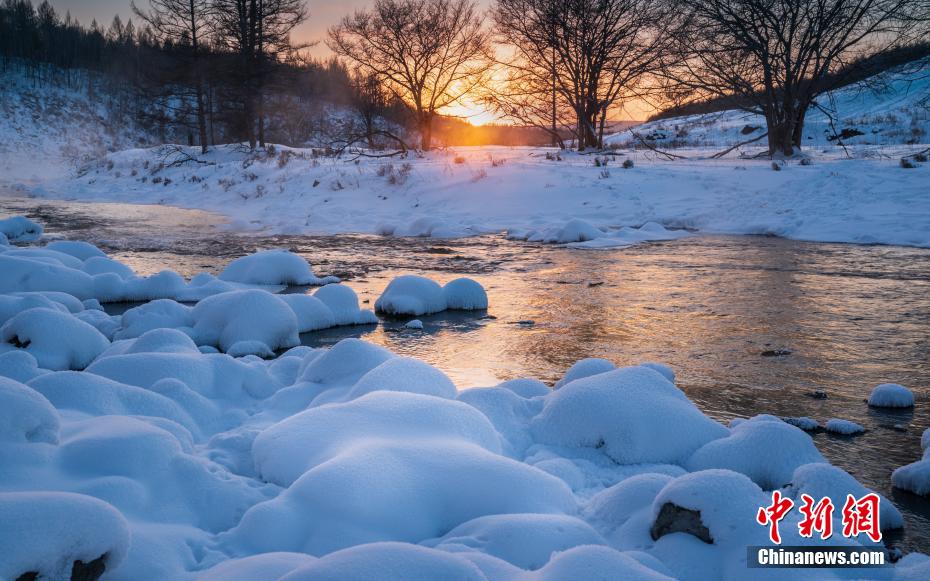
134	443
48	133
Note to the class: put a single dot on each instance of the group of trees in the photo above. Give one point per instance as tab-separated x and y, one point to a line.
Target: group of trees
560	66
563	65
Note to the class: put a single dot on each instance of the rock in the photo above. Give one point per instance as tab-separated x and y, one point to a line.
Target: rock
80	571
675	519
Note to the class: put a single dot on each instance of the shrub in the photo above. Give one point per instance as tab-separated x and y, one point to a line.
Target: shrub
627	163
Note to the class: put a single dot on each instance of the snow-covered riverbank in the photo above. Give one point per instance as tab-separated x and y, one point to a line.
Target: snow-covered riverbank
866	200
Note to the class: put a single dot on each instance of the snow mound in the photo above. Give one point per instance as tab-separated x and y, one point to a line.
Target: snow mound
575	230
20	365
281	453
81	250
611	508
416	324
404	374
524	540
257	320
266	566
600	564
272	267
633	414
387	562
464	294
48	532
585	368
764	448
819	480
312	313
343	302
157	314
26	416
525	387
346	361
20	229
727	502
412	491
411	295
891	395
844	427
915	477
57	340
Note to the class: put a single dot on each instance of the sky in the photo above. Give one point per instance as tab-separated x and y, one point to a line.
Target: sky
323	14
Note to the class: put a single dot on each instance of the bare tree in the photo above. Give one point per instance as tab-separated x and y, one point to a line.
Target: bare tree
183	23
586	55
258	31
775	57
428	52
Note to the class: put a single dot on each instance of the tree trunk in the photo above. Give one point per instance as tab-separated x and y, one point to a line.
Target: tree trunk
426	131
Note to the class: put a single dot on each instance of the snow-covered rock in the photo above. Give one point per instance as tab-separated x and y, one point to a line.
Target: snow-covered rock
464	294
915	477
585	368
20	229
891	395
411	295
272	267
843	427
764	448
343	303
57	340
25	415
819	480
255	320
48	533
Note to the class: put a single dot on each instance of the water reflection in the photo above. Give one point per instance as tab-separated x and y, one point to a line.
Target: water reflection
849	317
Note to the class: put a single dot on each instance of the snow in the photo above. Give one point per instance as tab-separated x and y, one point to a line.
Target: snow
411	295
608	411
46	532
464	294
416	324
281	454
57	340
915	477
843	427
823	480
891	395
764	448
247	321
343	303
526	541
26	416
585	368
272	267
20	229
178	461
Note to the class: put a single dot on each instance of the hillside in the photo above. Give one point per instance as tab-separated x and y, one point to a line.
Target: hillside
892	108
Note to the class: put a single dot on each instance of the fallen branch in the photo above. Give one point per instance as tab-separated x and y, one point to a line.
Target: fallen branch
667	155
723	153
181	157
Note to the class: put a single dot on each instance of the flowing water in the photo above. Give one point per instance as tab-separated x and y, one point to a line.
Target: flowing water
842	318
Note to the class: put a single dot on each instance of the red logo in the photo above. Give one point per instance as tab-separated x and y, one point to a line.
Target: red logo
859	516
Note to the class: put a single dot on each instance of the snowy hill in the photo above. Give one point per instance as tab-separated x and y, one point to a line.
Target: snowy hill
891	109
50	126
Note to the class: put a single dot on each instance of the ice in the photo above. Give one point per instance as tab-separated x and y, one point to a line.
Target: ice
891	395
45	533
57	340
272	267
25	415
844	427
255	320
464	294
20	229
411	295
415	324
606	411
764	448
